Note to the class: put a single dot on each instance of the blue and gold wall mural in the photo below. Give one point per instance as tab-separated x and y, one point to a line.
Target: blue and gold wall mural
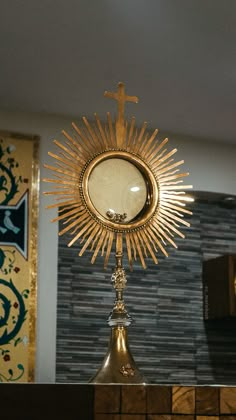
19	186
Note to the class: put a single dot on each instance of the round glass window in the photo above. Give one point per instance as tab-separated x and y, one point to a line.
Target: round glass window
117	190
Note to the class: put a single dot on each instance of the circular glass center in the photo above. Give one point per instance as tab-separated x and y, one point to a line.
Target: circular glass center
117	190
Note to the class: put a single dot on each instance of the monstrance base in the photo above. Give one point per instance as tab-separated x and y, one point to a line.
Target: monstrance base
118	365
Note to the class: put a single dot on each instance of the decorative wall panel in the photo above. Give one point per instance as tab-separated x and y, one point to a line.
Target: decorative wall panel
18	255
115	402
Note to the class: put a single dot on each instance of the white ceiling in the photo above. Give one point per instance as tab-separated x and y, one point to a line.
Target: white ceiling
177	56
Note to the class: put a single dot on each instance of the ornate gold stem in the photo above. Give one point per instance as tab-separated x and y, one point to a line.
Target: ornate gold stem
118	365
119	315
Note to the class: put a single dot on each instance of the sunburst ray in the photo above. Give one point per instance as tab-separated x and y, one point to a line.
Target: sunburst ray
155	235
84	143
129	251
140	138
148	143
102	132
109	248
66	214
90	238
61	171
131	131
99	245
105	243
111	135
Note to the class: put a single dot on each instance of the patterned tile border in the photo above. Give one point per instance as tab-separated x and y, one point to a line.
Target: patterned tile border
156	402
116	402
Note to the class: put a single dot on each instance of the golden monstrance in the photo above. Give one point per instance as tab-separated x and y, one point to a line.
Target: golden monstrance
116	185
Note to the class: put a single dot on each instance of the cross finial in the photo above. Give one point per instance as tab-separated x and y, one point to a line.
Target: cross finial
121	98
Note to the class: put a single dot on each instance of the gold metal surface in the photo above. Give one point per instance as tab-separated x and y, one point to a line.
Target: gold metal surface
116	217
118	365
119	315
81	152
121	98
34	259
151	231
152	191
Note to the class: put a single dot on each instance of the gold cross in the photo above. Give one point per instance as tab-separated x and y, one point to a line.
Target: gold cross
121	98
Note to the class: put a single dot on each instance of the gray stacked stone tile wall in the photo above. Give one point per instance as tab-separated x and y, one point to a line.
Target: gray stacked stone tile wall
171	342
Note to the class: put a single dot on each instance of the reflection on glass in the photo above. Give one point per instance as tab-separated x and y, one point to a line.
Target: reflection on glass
117	190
